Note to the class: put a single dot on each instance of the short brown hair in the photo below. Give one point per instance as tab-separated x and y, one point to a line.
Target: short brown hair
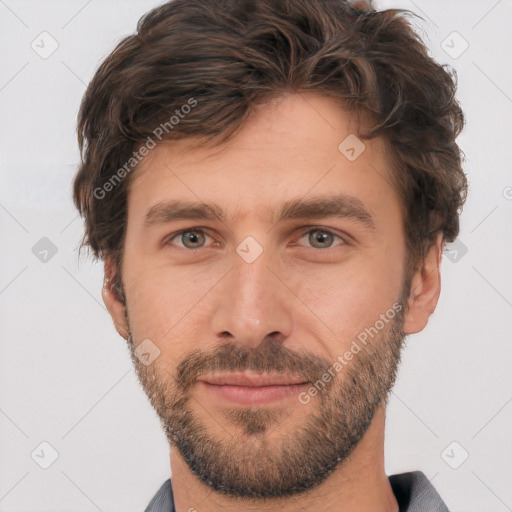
228	55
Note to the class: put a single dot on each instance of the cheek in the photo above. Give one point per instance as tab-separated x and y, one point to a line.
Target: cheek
349	298
168	304
175	305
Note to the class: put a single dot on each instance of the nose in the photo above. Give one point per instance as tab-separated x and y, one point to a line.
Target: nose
253	304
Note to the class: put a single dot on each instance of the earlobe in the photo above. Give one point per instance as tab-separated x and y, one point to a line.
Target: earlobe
112	299
425	290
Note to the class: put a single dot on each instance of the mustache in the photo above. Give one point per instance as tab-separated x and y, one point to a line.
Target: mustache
270	356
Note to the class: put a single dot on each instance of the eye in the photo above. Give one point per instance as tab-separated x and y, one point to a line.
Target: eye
321	238
195	238
190	238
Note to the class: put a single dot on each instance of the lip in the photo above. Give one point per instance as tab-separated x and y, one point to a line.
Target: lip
252	380
248	389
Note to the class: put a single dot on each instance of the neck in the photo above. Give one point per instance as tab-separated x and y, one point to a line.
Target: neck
360	484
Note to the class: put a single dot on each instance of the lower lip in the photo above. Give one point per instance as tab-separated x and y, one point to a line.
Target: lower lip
256	395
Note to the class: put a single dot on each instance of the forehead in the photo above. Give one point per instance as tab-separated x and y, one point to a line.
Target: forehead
299	145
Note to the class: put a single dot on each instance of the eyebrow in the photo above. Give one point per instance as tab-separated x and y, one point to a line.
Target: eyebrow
337	206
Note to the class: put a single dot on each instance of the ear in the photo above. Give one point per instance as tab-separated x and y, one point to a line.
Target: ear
425	290
112	299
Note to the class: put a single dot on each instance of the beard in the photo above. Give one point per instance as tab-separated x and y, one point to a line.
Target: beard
302	454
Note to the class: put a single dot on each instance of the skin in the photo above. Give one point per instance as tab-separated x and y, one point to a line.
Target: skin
308	302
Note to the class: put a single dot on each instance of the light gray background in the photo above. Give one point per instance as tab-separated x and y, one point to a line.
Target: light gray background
65	374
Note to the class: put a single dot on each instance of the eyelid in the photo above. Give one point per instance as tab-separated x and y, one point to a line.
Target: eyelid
167	240
304	230
307	229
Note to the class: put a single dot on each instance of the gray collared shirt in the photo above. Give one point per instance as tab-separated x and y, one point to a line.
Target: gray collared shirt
413	492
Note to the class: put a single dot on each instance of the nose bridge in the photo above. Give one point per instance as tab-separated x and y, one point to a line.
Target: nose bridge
251	287
252	305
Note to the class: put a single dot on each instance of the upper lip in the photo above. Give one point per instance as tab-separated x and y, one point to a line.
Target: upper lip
252	380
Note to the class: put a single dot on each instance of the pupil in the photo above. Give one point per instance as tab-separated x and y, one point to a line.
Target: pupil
322	237
191	237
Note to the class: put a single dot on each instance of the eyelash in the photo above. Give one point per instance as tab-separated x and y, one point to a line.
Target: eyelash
310	229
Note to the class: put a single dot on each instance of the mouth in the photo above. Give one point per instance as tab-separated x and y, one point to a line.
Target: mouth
253	389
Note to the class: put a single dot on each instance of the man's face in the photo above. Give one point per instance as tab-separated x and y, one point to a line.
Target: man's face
258	291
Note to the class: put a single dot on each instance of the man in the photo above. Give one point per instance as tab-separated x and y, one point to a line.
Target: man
270	184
